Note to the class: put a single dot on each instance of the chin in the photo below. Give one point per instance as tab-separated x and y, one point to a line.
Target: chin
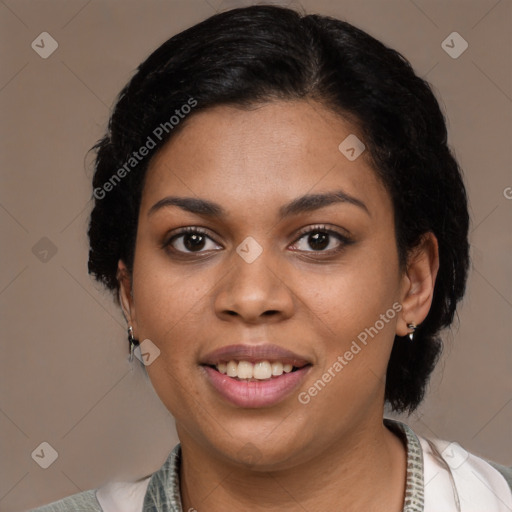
262	452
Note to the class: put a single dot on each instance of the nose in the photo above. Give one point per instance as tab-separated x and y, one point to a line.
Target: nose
255	292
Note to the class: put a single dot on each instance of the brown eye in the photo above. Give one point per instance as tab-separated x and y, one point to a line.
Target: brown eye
191	240
318	241
321	239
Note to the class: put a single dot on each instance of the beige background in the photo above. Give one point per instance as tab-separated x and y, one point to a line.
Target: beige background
64	377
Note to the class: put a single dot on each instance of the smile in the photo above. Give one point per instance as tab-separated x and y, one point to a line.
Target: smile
252	376
262	370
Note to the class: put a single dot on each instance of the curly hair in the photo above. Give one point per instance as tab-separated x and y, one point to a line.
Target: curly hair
264	53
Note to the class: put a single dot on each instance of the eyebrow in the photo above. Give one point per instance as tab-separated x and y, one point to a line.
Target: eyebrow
303	204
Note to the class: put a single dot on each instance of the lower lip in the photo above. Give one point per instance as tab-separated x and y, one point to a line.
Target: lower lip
253	394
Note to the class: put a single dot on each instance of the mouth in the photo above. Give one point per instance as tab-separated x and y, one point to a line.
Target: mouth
253	376
255	372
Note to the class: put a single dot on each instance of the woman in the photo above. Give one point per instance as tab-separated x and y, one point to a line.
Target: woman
278	212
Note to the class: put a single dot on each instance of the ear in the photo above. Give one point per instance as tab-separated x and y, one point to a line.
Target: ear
125	295
418	282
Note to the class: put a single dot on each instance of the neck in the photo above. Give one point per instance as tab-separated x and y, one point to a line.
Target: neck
338	478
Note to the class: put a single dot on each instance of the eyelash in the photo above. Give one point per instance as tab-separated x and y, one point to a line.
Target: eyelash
342	238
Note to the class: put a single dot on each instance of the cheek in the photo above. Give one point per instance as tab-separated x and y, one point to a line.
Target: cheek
169	311
355	310
356	325
353	295
168	302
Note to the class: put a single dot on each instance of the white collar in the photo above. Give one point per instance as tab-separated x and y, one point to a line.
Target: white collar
478	486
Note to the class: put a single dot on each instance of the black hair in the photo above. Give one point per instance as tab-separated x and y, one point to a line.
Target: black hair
264	53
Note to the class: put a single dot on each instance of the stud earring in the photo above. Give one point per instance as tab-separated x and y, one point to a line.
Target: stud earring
411	326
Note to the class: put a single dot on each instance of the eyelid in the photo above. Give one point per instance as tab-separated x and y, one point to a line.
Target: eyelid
345	238
183	231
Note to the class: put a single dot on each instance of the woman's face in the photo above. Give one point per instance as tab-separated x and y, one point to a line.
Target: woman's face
298	252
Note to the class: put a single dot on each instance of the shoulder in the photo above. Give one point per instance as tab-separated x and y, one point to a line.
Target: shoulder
82	502
506	471
442	476
451	472
127	496
113	497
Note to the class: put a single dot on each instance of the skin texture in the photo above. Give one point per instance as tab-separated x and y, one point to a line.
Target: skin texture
326	453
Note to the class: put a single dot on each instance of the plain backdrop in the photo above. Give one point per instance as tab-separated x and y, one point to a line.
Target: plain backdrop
64	375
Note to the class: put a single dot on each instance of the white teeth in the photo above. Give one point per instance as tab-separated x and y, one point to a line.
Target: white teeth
277	368
232	369
245	370
261	370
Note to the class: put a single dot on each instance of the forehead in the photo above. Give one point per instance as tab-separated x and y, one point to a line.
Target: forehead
268	154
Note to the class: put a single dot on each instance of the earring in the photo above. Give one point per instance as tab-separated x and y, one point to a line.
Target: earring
411	326
131	340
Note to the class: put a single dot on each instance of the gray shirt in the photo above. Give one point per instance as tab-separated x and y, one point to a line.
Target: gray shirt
163	491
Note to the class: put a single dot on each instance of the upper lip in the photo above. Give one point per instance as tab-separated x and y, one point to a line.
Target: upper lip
253	354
